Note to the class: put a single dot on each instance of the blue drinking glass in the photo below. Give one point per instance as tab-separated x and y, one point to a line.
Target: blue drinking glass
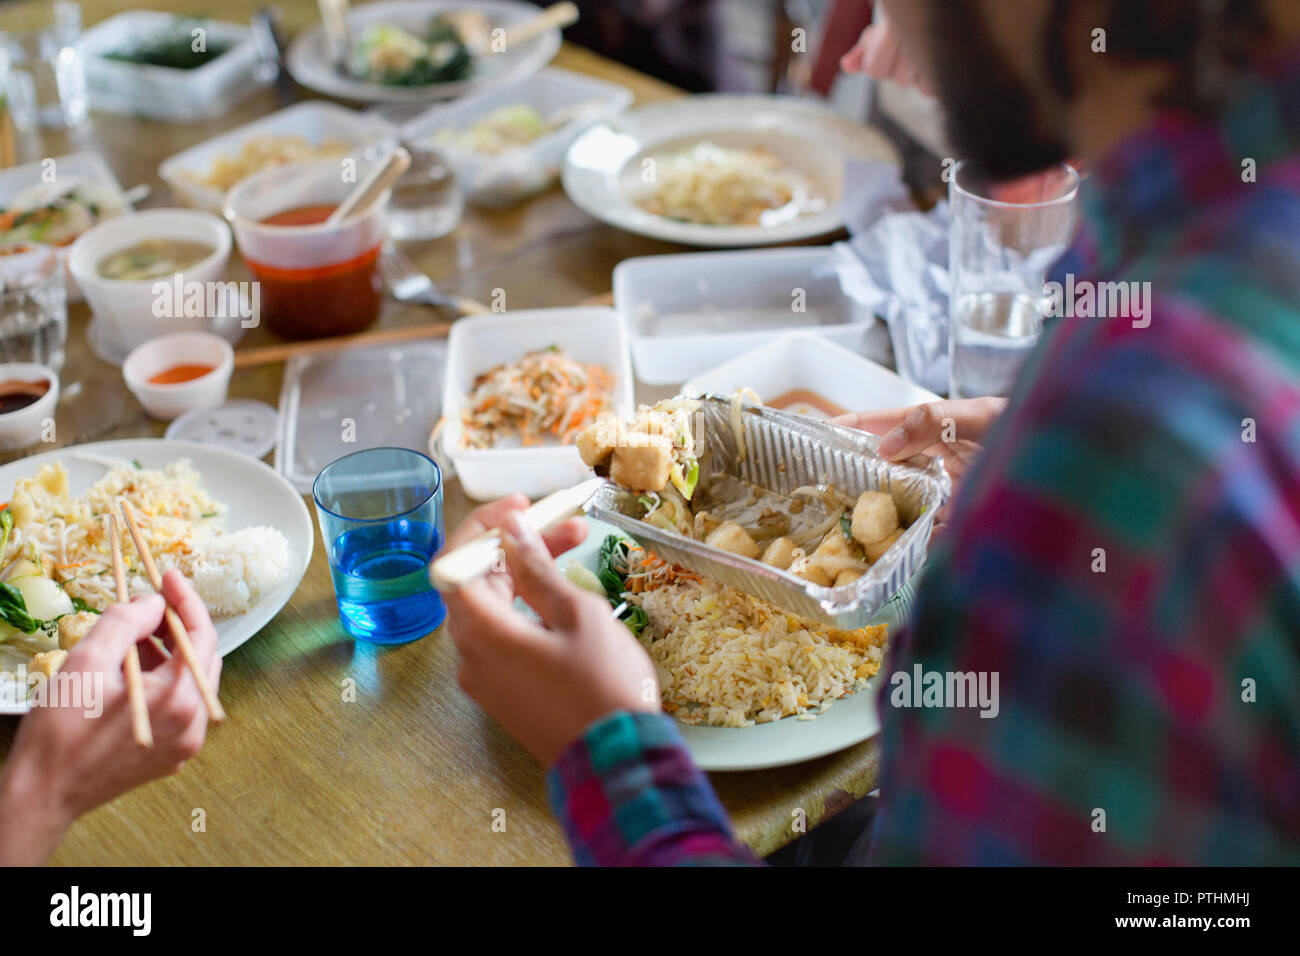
380	514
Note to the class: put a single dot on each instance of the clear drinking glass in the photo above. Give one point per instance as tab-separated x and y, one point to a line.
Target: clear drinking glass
44	74
380	514
427	201
1002	241
33	305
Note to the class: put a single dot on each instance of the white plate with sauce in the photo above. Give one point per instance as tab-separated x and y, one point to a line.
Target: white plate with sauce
608	167
808	375
253	492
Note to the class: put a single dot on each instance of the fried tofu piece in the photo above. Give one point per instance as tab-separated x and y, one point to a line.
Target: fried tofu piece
596	442
730	536
779	553
73	627
835	545
816	575
847	576
875	517
47	662
643	465
877	550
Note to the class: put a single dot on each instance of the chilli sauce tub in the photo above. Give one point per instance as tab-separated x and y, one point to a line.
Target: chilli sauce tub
314	279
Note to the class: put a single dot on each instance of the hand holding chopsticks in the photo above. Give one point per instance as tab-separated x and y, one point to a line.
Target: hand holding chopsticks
174	623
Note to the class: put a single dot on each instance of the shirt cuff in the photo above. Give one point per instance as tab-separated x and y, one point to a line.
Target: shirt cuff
628	793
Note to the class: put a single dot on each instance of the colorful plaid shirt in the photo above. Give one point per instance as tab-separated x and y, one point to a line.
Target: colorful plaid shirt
1125	558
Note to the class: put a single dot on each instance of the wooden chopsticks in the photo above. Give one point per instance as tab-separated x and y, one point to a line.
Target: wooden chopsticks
140	728
215	711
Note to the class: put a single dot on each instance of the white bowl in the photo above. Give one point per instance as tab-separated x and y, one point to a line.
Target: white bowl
24	427
479	343
182	348
134	311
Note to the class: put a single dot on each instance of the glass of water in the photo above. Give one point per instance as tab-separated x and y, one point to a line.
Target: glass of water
380	514
44	74
33	305
1003	240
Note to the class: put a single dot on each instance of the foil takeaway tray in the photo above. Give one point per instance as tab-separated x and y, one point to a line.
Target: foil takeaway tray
784	452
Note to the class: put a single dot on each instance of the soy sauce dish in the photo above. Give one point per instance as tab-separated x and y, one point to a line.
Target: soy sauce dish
28	394
180	373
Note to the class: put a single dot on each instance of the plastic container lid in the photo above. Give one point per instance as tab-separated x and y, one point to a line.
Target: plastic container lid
242	425
342	402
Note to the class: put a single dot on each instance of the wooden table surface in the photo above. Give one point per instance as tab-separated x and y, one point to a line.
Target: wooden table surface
411	771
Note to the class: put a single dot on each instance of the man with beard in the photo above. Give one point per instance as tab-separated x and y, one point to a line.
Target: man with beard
1125	552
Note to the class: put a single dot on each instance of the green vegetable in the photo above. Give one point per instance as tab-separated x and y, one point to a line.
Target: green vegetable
636	619
846	525
612	570
79	605
172	47
7	526
13	610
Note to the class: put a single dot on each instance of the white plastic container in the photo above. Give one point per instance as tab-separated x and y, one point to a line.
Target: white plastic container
811	363
163	93
482	342
688	313
500	180
166	402
315	122
321	419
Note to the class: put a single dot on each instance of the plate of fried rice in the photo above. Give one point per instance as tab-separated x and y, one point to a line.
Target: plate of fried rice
750	685
233	526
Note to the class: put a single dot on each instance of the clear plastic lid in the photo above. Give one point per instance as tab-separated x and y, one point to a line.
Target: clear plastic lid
335	404
241	424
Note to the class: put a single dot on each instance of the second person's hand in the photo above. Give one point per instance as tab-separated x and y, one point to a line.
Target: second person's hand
544	683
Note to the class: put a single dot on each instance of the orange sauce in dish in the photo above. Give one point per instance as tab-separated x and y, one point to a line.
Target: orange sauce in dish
335	299
801	401
180	373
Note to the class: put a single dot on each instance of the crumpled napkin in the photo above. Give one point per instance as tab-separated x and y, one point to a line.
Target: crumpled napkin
897	265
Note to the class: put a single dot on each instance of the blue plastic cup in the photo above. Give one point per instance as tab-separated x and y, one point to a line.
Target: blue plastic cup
380	514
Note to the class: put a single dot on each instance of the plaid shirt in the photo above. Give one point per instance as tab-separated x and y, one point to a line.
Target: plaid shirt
1125	557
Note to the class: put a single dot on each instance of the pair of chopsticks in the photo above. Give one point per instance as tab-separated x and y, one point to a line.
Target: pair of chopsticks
140	728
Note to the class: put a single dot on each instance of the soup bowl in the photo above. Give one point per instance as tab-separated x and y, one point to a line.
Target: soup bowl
133	311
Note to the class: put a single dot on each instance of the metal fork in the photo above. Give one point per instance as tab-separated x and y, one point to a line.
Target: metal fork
408	284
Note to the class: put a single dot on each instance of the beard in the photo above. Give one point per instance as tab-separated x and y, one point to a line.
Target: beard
993	118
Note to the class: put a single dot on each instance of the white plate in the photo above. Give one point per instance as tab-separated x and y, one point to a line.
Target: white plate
253	492
604	165
317	123
850	720
310	64
88	167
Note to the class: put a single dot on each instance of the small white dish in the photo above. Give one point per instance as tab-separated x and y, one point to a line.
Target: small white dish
800	362
166	402
505	178
479	343
134	311
310	63
24	427
605	167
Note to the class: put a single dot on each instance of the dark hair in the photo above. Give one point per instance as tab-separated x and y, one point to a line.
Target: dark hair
1207	42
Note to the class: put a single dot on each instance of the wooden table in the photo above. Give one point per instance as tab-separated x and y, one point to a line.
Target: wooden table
412	771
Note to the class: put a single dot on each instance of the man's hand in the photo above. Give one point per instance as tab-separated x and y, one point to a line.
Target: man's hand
65	762
953	430
544	683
